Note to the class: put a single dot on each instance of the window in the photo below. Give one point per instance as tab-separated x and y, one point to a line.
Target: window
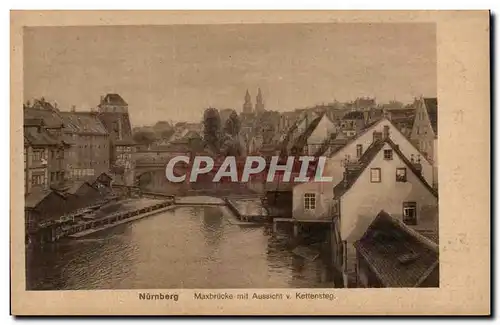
375	175
388	154
359	150
410	213
401	175
38	155
309	201
38	180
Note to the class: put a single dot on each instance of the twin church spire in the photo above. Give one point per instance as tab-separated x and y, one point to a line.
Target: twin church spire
259	105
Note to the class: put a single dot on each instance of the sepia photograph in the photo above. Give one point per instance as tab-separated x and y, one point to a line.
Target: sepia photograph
101	213
273	155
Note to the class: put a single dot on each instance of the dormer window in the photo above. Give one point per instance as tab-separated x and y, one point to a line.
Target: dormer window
388	154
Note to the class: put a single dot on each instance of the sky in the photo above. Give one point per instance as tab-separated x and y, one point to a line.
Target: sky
175	72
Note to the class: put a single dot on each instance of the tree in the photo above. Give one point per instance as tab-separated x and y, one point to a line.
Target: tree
231	146
166	134
233	124
144	137
268	122
212	129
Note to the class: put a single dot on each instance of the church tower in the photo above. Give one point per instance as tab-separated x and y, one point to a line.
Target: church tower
247	106
259	105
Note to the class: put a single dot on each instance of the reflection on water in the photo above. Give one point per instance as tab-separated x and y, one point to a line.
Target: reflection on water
189	247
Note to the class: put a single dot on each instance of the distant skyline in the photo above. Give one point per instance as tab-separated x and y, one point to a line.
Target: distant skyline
174	72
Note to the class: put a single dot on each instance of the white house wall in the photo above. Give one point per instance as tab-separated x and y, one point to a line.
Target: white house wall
324	195
364	200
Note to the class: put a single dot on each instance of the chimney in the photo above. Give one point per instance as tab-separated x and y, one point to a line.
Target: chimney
418	168
386	132
73	108
102	99
345	177
366	115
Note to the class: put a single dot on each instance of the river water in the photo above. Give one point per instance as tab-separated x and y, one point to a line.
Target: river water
187	247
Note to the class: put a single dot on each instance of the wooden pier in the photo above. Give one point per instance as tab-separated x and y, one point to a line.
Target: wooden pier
120	221
259	215
89	224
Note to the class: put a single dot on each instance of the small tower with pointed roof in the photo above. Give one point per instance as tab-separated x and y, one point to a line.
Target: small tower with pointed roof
247	106
259	105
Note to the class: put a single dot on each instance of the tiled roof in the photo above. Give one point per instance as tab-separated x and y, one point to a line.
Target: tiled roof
50	118
367	128
83	122
34	198
33	137
75	187
33	122
430	234
331	143
398	255
355	170
401	112
43	104
114	99
302	139
432	107
356	115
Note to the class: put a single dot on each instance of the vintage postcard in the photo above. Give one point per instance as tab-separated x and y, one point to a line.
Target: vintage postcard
250	163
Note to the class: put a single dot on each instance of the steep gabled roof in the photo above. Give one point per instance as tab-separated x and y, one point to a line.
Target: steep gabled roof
33	199
302	139
398	255
363	162
83	122
50	117
431	107
369	128
114	99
